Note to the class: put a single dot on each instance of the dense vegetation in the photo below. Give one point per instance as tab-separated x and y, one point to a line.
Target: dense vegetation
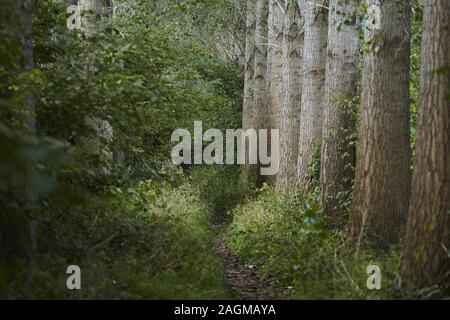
86	176
141	231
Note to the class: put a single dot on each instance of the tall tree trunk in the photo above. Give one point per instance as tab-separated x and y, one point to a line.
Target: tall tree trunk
274	69
248	109
340	87
292	51
382	185
314	62
425	258
25	35
18	234
262	12
260	89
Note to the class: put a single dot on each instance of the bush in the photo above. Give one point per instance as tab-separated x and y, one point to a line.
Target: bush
222	187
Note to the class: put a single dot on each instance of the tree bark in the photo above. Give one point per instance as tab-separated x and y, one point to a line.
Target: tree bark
248	110
292	52
314	63
248	113
382	185
274	69
340	87
259	81
25	37
425	259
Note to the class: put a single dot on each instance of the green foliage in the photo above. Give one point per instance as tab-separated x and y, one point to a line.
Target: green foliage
138	73
145	241
222	187
287	238
141	231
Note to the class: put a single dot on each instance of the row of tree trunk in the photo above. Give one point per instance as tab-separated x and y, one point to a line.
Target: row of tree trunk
303	74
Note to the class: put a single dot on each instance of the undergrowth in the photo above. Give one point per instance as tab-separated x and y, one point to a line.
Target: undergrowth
287	238
147	240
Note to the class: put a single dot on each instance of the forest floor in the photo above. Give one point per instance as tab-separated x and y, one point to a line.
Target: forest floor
243	281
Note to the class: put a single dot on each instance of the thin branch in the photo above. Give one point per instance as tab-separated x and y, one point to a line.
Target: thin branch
318	5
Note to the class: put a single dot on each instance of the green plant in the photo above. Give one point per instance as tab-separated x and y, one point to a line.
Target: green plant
286	236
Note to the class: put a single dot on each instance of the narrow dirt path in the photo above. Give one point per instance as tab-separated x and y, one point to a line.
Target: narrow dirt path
243	281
